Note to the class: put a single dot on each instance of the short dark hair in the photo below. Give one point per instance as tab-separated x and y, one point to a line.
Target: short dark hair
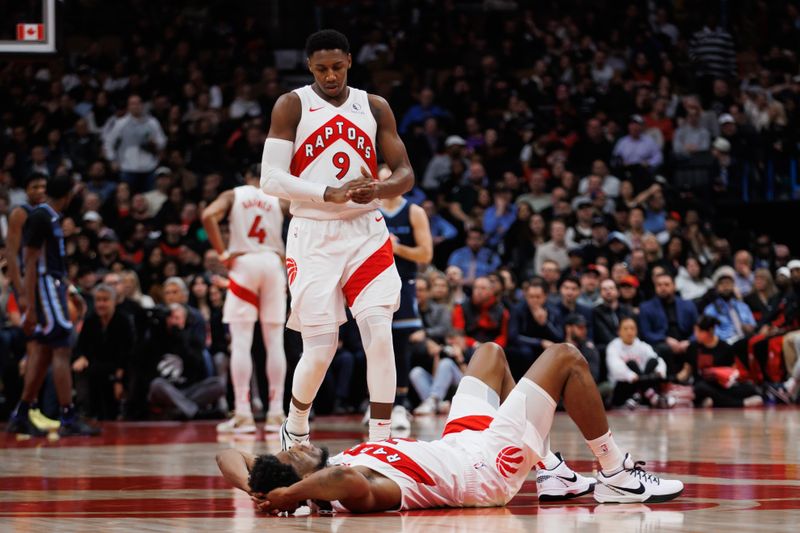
269	473
569	279
327	40
33	176
706	323
59	186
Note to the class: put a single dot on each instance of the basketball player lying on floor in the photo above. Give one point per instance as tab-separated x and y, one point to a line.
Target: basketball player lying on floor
495	433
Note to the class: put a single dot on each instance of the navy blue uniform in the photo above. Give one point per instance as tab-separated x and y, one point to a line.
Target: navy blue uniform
399	224
43	230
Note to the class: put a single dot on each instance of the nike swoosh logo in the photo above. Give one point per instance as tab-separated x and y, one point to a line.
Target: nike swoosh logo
640	490
311	109
572	479
378	219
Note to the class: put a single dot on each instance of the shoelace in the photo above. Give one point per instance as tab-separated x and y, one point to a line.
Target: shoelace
639	472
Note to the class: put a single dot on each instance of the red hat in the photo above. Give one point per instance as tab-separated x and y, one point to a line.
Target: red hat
630	280
674	215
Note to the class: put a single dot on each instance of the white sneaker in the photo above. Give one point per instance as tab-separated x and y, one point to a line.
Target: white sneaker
274	422
290	439
561	483
428	407
237	424
400	418
633	485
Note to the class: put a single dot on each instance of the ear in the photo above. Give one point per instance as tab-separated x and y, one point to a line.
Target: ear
308	64
349	61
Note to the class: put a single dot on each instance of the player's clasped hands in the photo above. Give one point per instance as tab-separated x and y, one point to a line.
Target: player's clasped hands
274	502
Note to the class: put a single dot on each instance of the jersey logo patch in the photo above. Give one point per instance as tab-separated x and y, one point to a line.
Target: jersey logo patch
291	269
507	458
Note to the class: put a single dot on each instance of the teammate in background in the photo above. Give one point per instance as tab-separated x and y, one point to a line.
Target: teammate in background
412	244
47	317
495	433
256	291
35	189
320	154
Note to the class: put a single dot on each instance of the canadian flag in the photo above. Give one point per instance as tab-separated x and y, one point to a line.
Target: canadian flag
30	32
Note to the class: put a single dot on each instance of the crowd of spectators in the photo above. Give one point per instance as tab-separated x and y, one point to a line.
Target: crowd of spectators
570	159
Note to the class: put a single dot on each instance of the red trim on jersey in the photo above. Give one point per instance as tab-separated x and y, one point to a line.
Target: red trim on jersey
394	458
243	293
467	423
379	261
300	160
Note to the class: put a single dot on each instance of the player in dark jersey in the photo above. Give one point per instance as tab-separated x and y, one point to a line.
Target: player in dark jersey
413	244
47	317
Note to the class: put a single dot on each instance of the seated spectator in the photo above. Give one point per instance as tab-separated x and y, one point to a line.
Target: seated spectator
532	330
590	287
667	322
555	249
474	260
735	319
575	333
593	146
690	282
102	355
608	183
481	318
183	387
635	370
537	197
608	314
760	300
497	219
439	169
449	366
743	265
691	137
636	149
711	362
455	286
568	290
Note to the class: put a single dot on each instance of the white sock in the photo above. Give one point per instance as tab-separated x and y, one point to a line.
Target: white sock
241	365
550	461
297	421
276	365
379	429
607	453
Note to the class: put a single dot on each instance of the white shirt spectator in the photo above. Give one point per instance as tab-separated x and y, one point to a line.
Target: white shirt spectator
618	354
126	143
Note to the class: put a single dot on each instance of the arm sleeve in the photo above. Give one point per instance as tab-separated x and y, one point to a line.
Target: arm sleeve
276	180
36	228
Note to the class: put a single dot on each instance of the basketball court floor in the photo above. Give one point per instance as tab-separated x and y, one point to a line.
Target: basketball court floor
741	469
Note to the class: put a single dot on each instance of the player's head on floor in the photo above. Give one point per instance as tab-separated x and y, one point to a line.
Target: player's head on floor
286	467
328	56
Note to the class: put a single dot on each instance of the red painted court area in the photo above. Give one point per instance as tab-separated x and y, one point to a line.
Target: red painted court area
741	469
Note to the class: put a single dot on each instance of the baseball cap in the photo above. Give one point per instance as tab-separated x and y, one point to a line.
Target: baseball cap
91	216
637	119
794	263
598	221
723	145
108	235
726	272
454	140
619	237
783	271
726	118
575	319
592	269
629	280
580	204
163	171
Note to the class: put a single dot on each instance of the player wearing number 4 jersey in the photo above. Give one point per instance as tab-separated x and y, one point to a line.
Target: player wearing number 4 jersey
321	154
495	433
256	291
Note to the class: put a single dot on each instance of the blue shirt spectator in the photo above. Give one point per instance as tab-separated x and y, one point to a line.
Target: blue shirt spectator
735	318
498	218
473	259
425	109
636	148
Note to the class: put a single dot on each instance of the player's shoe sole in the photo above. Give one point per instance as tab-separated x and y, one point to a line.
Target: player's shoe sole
561	496
290	439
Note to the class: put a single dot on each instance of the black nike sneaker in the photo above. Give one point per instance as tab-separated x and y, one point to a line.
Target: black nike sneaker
633	485
77	428
24	426
561	483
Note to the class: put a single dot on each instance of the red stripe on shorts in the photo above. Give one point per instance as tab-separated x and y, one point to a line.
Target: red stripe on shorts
467	423
244	294
379	261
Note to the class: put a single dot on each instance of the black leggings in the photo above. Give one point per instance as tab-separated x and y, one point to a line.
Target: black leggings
623	390
732	397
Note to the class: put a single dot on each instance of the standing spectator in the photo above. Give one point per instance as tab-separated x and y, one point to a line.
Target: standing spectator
481	318
736	321
183	387
712	52
555	249
474	259
667	321
635	369
102	355
133	144
608	315
575	327
743	265
569	289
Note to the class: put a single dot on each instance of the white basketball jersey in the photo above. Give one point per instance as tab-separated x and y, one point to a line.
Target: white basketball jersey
255	222
438	473
331	145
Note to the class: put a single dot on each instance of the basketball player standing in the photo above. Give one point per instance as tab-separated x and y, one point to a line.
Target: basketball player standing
338	250
256	290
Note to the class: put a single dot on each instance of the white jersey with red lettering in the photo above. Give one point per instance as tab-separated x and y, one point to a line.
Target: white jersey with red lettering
331	145
255	221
